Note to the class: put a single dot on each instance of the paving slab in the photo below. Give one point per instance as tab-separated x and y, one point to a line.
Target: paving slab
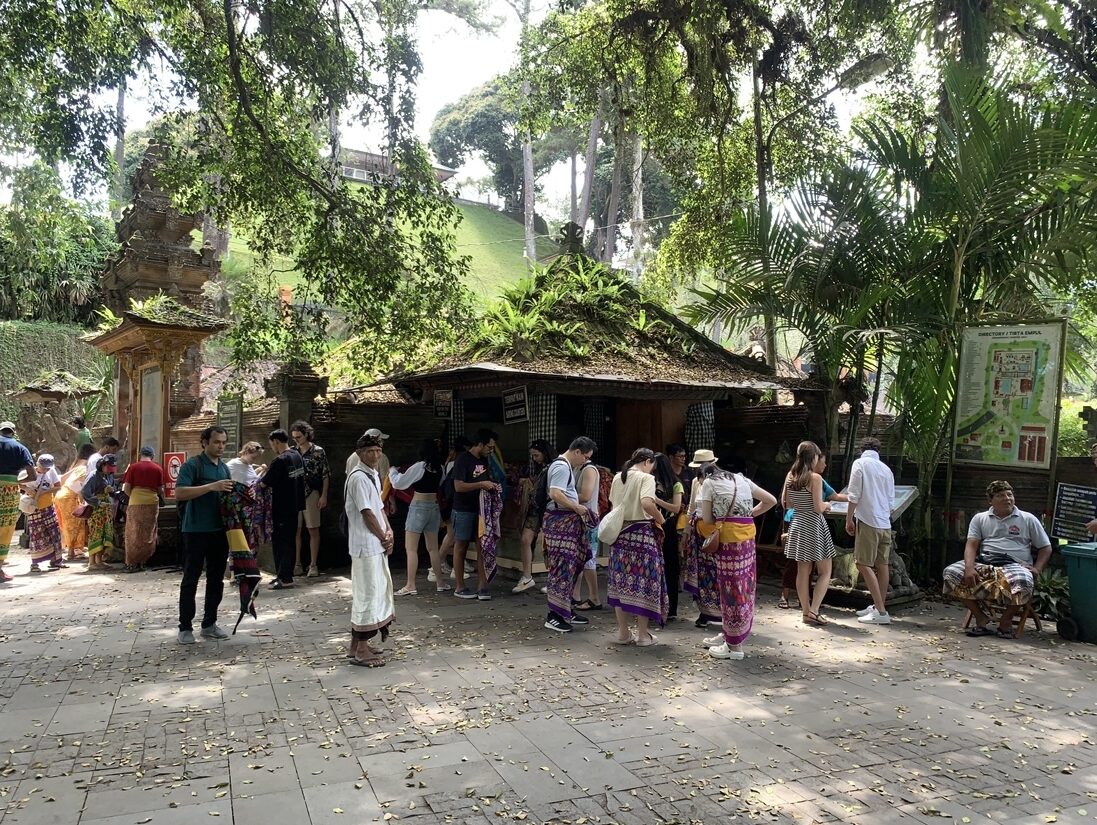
480	715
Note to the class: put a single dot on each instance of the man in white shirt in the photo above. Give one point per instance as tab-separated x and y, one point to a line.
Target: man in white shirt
369	540
868	520
353	462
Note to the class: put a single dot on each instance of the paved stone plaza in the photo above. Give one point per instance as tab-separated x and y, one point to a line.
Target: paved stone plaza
481	716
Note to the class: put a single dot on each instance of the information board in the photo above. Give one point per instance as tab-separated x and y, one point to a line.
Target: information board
1075	506
515	405
443	403
1007	395
903	498
230	415
173	463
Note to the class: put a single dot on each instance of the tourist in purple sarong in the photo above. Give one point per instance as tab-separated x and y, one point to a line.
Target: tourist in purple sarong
636	584
567	547
700	579
727	503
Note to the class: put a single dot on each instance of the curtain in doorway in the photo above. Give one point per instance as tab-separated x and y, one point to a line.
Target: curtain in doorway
594	422
542	418
700	427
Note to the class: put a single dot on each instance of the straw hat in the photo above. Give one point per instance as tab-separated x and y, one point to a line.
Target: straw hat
702	457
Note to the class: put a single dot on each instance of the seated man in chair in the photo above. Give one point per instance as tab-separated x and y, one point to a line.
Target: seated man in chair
998	566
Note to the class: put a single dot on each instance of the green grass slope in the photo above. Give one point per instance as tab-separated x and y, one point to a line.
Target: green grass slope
492	240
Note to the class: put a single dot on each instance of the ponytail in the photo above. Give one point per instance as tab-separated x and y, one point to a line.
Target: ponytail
638	457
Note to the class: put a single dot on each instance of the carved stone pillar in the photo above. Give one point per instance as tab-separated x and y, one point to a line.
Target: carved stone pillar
296	387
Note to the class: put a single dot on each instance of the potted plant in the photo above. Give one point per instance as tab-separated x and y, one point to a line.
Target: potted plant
1051	600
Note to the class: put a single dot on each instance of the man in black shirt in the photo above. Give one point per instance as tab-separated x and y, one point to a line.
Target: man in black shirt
471	474
286	480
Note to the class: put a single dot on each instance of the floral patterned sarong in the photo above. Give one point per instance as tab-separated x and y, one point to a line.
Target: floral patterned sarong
491	507
45	536
566	551
636	582
9	512
737	575
1011	584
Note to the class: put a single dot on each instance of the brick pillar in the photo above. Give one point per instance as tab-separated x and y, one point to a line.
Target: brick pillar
296	387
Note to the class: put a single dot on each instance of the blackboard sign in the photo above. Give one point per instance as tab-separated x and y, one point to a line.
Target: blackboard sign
230	415
443	403
1075	506
515	406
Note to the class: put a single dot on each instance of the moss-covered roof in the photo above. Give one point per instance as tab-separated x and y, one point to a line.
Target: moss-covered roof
578	319
165	311
54	386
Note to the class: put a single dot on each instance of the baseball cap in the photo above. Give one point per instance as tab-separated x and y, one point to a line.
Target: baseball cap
45	460
376	433
6	425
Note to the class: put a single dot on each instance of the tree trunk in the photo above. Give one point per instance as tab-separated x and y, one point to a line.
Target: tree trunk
638	226
614	206
528	193
119	154
573	214
590	161
876	385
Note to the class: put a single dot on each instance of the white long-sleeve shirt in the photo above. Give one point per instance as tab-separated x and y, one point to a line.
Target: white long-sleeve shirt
872	489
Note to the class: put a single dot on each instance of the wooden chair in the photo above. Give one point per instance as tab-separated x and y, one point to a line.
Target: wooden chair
995	612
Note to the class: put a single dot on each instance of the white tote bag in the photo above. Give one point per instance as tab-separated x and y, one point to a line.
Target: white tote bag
610	527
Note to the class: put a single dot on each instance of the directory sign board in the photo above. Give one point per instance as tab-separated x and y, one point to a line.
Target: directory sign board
1007	395
1075	507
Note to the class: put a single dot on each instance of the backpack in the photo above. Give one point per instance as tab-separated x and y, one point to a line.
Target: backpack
540	498
605	482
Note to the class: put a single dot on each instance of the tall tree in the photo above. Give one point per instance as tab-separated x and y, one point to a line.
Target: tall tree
258	75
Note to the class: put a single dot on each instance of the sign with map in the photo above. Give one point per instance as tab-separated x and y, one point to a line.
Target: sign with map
1007	395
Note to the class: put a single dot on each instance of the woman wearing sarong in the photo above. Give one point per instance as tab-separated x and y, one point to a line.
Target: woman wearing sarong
727	504
144	484
42	525
98	491
245	470
14	459
74	531
636	584
809	540
700	568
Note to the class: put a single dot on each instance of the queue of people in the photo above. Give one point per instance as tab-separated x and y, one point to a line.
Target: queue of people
670	524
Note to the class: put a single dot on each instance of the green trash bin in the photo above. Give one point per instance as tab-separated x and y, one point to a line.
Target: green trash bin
1081	562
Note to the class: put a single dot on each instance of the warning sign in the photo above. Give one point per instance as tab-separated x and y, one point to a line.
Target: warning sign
173	462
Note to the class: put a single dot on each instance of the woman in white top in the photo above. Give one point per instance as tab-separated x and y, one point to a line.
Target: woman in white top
242	469
727	503
636	583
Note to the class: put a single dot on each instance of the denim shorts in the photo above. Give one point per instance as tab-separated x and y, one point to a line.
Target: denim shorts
423	517
465	525
592	538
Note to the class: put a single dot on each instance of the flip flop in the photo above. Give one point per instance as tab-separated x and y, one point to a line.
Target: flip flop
783	603
1005	634
378	662
651	640
587	604
624	642
980	631
815	620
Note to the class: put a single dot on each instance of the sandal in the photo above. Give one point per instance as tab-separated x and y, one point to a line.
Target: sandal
1005	634
403	591
587	604
373	661
652	639
980	631
631	640
783	603
815	620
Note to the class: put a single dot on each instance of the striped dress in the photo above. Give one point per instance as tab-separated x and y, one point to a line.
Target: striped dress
809	536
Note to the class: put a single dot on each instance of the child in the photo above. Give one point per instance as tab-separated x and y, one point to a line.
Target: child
42	525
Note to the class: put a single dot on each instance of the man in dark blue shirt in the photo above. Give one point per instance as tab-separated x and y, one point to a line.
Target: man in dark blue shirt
286	480
14	459
201	481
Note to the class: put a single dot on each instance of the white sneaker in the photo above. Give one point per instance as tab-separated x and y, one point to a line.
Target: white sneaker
718	639
449	572
724	651
313	572
470	568
430	576
865	611
524	584
876	618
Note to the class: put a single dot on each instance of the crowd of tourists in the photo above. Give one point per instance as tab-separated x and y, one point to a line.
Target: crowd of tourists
671	523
